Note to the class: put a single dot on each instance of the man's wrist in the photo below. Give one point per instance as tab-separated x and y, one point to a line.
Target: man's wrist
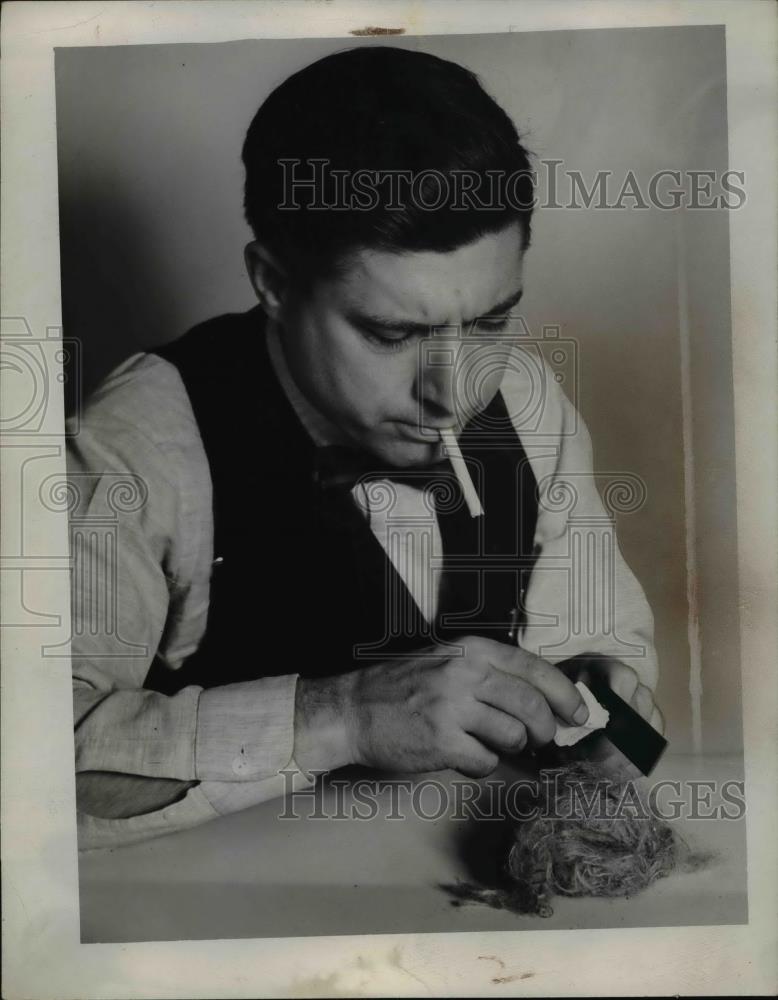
322	723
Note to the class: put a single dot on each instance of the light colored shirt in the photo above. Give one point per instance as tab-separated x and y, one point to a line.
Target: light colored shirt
142	556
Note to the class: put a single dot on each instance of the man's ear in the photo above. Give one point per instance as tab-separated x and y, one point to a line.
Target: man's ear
268	277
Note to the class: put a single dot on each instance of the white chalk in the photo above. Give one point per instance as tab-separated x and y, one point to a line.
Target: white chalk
568	736
450	443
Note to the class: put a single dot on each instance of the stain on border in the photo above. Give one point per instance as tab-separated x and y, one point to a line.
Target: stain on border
377	31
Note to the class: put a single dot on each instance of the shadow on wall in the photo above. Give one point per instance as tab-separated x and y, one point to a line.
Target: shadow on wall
111	254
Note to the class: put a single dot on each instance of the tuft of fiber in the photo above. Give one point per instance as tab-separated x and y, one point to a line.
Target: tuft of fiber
572	849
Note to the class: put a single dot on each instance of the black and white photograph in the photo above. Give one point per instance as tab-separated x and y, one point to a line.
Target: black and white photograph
397	481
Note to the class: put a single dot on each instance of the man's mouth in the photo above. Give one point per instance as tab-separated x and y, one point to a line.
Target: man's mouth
423	435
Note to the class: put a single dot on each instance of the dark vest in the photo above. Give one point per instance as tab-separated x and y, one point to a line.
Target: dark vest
299	582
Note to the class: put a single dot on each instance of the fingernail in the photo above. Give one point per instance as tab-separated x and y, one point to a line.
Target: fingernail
581	715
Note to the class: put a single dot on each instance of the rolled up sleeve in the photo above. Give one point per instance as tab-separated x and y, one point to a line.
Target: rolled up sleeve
141	551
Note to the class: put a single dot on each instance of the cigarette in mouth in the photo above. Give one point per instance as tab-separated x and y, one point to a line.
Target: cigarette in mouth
450	443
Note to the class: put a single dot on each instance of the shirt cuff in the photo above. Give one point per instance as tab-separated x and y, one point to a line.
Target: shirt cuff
232	796
245	732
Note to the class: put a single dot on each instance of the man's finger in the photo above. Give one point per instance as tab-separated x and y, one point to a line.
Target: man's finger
563	697
623	680
472	758
522	701
643	702
495	728
657	720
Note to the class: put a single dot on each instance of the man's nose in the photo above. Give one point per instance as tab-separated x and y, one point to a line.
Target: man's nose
437	386
438	415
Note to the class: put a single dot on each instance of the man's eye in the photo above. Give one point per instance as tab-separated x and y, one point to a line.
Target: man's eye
491	325
391	342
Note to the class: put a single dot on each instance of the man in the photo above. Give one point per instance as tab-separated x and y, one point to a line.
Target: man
306	584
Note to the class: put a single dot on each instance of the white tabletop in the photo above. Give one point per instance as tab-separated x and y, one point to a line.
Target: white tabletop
254	874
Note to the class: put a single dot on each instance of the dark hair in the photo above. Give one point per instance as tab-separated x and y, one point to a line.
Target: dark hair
383	109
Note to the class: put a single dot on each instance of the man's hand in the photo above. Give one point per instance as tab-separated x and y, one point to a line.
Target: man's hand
597	748
441	708
621	679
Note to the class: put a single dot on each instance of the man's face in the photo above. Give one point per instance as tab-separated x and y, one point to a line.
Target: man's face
367	350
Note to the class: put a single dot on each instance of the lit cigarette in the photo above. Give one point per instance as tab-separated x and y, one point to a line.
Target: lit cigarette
472	499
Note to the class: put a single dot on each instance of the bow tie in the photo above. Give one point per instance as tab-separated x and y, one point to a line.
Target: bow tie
338	467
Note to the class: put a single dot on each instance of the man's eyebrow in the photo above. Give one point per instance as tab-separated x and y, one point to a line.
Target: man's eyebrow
502	308
409	327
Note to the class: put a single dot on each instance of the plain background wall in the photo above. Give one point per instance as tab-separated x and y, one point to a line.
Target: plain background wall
152	239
